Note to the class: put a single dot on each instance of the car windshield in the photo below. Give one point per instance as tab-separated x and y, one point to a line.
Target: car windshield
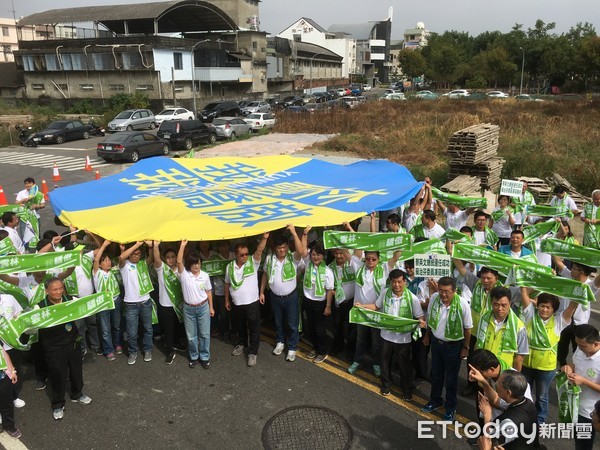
167	112
116	138
124	115
57	125
211	106
253	104
219	122
168	125
254	116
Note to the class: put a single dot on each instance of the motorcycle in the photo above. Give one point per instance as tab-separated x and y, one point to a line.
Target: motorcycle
95	130
26	136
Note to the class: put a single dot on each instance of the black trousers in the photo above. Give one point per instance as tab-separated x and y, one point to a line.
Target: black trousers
172	328
344	332
16	356
247	323
7	410
389	351
221	318
567	339
317	324
63	363
39	361
419	358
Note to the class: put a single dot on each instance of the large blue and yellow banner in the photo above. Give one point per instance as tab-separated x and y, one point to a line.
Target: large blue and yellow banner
230	197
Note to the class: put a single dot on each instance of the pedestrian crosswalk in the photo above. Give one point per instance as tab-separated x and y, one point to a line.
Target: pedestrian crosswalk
42	161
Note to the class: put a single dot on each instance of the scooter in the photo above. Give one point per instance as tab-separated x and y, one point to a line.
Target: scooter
26	136
95	130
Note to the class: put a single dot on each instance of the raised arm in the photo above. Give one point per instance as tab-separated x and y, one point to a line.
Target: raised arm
394	259
180	253
373	225
440	205
297	242
525	298
261	247
558	262
126	253
157	262
98	256
304	241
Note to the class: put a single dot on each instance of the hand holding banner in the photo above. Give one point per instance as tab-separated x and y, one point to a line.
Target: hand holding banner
367	241
494	260
573	252
38	262
459	200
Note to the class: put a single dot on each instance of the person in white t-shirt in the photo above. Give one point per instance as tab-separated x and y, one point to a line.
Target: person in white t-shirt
242	298
428	228
30	197
456	218
10	309
10	222
562	198
197	307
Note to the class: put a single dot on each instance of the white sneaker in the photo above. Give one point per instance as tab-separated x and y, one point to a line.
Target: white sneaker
18	403
291	356
278	349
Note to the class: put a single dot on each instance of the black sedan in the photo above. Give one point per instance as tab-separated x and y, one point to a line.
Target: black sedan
131	145
61	131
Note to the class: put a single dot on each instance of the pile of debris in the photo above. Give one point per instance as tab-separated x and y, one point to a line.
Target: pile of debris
473	152
558	180
542	190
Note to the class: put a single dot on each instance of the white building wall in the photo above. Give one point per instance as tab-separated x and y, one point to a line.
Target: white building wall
163	62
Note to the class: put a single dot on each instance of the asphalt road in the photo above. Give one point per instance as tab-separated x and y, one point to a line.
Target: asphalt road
152	405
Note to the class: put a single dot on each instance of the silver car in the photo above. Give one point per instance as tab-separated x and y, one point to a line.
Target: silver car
133	119
256	107
230	127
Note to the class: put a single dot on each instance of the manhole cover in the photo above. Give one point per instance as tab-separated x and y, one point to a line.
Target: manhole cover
307	427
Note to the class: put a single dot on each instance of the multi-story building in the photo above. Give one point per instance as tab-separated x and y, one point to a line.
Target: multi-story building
416	37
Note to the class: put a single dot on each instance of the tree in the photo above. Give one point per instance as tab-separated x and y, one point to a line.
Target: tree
412	62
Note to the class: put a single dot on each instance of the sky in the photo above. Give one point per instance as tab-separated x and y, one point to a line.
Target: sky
472	16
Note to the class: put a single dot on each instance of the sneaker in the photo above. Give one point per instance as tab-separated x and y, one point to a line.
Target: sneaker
278	349
449	415
407	398
170	358
111	357
83	353
131	359
148	356
18	403
84	400
291	356
251	360
99	352
312	354
192	363
205	364
238	350
353	368
385	391
320	358
377	370
119	350
180	348
58	413
429	407
16	433
40	385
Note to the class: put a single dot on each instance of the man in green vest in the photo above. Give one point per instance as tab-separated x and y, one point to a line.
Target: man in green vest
501	331
591	217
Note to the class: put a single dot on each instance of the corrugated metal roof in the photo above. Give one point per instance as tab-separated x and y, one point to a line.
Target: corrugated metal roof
172	16
360	31
313	49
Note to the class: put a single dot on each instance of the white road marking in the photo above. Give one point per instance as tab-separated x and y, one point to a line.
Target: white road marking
67	163
10	443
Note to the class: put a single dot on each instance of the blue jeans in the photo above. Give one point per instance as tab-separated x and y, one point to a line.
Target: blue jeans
133	312
286	308
110	327
365	334
542	379
197	327
445	365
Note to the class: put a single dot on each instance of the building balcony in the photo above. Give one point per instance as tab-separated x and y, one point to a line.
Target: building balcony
222	74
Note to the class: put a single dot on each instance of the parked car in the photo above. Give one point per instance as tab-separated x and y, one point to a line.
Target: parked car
299	109
315	107
131	145
230	127
186	134
292	100
62	130
133	119
527	98
367	87
243	103
394	96
261	120
341	92
457	93
173	114
352	102
497	94
219	109
256	107
427	95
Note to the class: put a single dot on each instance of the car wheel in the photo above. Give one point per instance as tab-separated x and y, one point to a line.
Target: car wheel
188	144
190	118
166	149
152	125
232	136
212	139
135	156
60	139
86	134
129	128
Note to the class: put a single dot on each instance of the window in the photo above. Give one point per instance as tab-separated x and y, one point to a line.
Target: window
86	87
143	114
5	31
116	87
177	61
38	86
254	45
144	87
6	49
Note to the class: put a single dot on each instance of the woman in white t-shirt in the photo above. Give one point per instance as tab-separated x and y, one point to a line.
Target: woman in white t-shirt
197	306
503	220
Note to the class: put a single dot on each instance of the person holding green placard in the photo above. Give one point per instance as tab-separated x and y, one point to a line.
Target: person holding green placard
138	305
417	204
562	198
428	228
543	333
520	203
585	372
31	197
344	336
456	218
591	218
516	249
503	220
482	234
10	223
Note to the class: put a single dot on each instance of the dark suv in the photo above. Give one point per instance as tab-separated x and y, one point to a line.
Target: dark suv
186	133
218	109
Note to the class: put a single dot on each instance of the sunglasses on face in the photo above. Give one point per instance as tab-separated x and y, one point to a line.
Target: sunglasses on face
371	258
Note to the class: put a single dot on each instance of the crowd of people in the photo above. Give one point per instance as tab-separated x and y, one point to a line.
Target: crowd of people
513	338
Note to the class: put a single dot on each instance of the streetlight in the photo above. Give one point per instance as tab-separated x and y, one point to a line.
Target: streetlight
522	70
194	75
